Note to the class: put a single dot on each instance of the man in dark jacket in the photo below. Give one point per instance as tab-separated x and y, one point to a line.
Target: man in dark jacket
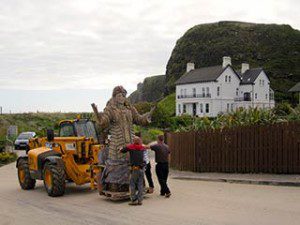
162	154
137	164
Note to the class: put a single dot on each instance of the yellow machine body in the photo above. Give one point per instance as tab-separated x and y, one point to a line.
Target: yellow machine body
79	156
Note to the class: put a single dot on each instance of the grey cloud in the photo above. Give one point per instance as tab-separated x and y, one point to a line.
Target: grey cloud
57	44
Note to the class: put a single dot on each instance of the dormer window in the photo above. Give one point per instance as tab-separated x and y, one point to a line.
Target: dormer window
226	77
229	79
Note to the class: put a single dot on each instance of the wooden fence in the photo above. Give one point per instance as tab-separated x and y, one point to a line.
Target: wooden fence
255	149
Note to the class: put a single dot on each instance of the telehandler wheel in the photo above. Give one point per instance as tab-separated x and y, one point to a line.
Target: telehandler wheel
54	179
25	180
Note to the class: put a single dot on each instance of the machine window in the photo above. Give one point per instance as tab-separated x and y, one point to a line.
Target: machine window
67	130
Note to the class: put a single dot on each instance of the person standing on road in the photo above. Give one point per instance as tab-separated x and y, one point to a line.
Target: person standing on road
162	154
148	172
137	164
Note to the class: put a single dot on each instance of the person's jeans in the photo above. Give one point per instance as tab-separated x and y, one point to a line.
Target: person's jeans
162	172
149	175
136	185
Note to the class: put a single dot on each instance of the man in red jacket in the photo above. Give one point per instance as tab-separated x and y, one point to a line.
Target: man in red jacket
137	164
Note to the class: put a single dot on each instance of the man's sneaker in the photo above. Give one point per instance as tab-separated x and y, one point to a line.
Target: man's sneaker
168	195
140	203
133	203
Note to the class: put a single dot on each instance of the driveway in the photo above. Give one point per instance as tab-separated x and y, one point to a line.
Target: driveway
192	202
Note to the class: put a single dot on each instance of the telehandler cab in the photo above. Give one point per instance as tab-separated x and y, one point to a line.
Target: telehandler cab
72	156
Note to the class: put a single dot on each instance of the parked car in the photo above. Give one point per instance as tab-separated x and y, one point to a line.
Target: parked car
21	143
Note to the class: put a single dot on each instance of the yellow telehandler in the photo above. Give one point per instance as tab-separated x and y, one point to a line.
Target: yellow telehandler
72	156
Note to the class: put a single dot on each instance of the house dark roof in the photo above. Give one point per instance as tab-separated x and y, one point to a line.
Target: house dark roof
250	75
296	88
204	74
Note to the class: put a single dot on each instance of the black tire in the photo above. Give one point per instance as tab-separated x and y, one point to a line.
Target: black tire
25	180
58	177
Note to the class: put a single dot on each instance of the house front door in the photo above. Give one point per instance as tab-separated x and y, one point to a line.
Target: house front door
194	109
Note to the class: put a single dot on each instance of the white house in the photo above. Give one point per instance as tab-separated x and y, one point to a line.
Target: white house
210	91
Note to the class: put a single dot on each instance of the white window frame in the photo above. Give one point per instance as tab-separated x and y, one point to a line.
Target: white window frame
207	91
207	108
201	107
194	92
184	108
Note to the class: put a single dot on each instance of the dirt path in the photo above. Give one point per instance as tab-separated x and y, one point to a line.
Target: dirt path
193	202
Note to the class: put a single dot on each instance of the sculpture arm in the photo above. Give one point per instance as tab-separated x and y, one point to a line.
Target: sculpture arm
141	119
102	118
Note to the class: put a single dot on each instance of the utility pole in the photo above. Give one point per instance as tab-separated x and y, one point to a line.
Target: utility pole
0	110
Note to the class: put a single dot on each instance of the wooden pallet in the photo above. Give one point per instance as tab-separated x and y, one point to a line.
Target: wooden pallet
119	196
116	196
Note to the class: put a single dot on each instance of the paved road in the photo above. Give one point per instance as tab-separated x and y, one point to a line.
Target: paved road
192	202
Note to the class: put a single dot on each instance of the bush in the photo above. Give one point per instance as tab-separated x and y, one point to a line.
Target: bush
164	111
283	109
148	134
7	157
240	117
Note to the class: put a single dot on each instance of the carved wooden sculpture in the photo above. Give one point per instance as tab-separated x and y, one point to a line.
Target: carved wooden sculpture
119	116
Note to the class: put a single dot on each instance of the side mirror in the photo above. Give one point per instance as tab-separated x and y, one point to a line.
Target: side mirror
50	135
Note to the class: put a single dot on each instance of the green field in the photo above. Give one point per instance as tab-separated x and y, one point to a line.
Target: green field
37	122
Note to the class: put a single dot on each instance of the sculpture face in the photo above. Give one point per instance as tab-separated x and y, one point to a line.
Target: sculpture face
120	98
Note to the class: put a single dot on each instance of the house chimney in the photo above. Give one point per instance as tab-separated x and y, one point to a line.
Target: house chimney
245	67
226	61
190	66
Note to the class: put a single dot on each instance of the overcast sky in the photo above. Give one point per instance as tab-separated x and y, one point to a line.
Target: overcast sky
90	46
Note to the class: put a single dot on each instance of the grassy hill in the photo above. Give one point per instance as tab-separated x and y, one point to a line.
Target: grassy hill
276	48
150	90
